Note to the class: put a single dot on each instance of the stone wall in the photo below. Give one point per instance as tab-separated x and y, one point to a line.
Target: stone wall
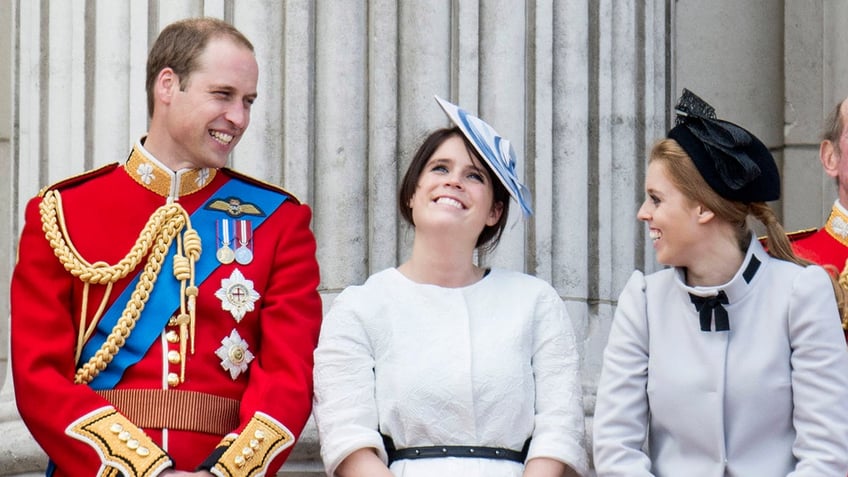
581	87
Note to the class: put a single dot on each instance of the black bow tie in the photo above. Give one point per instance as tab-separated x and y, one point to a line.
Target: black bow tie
707	306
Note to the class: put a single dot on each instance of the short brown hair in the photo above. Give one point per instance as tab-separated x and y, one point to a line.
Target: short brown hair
491	234
180	44
833	126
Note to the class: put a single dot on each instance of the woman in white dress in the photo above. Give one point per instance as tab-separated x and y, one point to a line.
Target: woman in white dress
732	361
440	367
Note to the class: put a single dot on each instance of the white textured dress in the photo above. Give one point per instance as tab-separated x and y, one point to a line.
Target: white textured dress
767	398
490	364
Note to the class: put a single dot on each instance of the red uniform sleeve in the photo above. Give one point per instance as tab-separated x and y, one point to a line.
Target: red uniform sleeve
278	397
43	338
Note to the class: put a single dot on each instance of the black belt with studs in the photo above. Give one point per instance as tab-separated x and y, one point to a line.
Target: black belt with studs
477	452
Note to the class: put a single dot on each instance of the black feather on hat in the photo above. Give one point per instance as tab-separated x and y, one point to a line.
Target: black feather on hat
736	164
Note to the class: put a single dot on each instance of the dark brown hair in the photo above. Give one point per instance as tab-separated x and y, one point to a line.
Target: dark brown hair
179	46
491	234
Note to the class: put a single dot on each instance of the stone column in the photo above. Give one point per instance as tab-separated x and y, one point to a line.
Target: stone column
580	87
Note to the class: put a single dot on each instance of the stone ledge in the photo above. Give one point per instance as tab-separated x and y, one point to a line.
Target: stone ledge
19	454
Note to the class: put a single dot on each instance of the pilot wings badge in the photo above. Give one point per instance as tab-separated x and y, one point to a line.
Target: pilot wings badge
234	207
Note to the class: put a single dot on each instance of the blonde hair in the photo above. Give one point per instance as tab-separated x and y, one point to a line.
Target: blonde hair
685	176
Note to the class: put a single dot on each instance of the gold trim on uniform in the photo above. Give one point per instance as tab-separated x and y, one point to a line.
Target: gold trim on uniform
837	225
166	223
111	472
249	453
120	443
154	177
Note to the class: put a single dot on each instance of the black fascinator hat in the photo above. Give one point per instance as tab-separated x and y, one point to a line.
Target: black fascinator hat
737	165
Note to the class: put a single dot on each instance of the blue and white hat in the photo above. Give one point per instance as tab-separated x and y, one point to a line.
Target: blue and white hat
493	148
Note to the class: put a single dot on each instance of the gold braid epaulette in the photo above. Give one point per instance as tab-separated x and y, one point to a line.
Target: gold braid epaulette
842	299
162	227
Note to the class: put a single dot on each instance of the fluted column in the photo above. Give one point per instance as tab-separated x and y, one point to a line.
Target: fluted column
580	87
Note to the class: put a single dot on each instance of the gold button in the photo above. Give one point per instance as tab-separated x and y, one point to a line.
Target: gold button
132	444
254	444
172	337
174	357
173	380
143	451
124	436
239	461
259	435
116	428
247	452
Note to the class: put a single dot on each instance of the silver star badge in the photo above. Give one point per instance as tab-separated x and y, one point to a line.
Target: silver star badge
237	295
234	354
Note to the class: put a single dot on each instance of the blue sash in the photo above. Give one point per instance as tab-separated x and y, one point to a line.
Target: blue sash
164	298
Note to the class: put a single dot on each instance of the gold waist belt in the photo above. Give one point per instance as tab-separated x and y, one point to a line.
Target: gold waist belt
173	409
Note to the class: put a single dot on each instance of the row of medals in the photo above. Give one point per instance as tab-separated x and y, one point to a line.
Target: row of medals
242	233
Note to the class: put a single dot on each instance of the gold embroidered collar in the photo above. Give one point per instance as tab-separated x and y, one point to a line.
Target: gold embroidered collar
837	224
153	175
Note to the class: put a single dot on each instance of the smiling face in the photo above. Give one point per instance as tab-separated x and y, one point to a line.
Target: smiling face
454	192
672	218
833	150
200	124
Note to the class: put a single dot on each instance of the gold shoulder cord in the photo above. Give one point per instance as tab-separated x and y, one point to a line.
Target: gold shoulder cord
154	241
842	299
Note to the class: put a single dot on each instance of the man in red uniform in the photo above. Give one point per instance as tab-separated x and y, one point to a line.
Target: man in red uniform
164	310
828	246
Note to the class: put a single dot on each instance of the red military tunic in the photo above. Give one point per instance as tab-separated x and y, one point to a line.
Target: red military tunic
247	386
827	246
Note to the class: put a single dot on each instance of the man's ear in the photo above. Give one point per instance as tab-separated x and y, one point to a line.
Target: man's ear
829	157
167	83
